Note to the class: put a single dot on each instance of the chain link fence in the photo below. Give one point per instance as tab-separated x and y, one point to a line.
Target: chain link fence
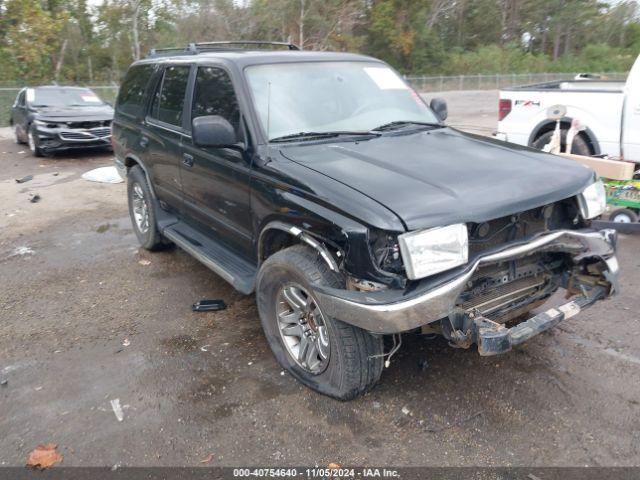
494	82
423	84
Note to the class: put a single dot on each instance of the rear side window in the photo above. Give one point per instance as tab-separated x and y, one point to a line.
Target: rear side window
214	95
131	96
168	101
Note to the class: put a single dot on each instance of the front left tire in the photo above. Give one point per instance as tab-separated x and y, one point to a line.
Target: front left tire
323	353
34	142
16	134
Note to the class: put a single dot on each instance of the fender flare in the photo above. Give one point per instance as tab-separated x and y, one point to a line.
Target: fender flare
587	131
302	236
131	158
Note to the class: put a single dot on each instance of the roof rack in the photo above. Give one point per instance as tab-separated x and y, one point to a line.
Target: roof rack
221	46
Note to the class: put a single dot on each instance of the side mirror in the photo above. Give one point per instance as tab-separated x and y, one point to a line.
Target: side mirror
439	106
213	131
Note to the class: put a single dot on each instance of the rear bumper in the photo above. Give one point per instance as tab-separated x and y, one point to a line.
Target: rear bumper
399	311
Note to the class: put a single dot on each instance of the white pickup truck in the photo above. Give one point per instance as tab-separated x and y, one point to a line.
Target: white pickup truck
609	110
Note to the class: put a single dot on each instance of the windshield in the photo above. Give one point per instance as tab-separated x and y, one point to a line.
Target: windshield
332	96
62	97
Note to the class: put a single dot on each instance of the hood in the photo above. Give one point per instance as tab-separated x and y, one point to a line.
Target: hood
440	177
74	114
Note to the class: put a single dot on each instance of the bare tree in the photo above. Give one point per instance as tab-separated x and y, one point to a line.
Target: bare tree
60	59
135	31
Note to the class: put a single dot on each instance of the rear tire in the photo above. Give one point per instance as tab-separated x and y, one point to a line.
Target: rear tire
353	362
142	210
579	147
624	215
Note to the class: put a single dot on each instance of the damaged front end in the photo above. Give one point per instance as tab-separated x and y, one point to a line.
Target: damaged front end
486	301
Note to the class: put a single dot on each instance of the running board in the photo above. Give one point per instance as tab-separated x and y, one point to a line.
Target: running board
223	261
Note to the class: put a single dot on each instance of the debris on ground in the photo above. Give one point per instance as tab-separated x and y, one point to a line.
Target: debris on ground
4	382
333	466
144	262
117	409
126	342
207	459
406	411
44	456
205	348
103	175
24	179
20	251
34	197
209	306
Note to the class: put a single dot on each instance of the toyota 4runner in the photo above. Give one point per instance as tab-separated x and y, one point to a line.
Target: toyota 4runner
324	184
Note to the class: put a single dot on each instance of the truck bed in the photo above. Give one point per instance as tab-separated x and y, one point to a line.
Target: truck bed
602	86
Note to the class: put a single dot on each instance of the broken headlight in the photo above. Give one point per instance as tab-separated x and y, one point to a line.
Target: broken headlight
427	252
593	200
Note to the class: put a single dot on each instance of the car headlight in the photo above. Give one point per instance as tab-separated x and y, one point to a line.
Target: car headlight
432	251
593	200
41	123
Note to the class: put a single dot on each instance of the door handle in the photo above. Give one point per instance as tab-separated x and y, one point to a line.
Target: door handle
144	142
187	160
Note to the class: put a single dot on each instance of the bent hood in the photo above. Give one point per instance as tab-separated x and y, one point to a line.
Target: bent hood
440	177
74	114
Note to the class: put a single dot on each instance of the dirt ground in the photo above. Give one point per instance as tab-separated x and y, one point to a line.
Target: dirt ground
87	318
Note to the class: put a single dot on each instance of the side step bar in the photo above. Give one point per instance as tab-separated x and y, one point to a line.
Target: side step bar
223	261
494	338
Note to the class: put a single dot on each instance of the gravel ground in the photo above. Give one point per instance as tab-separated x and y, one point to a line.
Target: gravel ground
87	318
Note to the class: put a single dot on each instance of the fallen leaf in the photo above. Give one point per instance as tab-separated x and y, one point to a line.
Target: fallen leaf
44	456
333	466
207	459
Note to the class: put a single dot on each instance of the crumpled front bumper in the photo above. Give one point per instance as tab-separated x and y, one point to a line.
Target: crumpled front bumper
51	139
393	311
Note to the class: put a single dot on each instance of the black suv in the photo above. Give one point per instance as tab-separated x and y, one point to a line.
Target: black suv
54	118
325	184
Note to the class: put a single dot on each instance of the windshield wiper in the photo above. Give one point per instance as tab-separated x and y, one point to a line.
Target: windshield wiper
321	135
404	123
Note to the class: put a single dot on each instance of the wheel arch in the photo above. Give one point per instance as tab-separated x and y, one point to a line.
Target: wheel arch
548	125
277	235
132	160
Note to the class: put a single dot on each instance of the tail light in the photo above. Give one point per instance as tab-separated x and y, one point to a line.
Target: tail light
504	108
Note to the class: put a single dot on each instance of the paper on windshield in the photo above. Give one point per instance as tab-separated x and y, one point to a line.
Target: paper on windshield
90	98
385	78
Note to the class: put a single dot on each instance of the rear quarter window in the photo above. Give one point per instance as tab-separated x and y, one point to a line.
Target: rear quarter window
131	97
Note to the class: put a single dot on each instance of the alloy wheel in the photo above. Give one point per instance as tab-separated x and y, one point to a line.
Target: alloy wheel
302	328
140	208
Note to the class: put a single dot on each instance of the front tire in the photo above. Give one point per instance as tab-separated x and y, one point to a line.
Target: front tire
323	353
34	142
142	210
16	134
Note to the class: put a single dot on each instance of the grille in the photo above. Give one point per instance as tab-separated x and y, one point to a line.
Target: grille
93	134
76	136
90	124
101	132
